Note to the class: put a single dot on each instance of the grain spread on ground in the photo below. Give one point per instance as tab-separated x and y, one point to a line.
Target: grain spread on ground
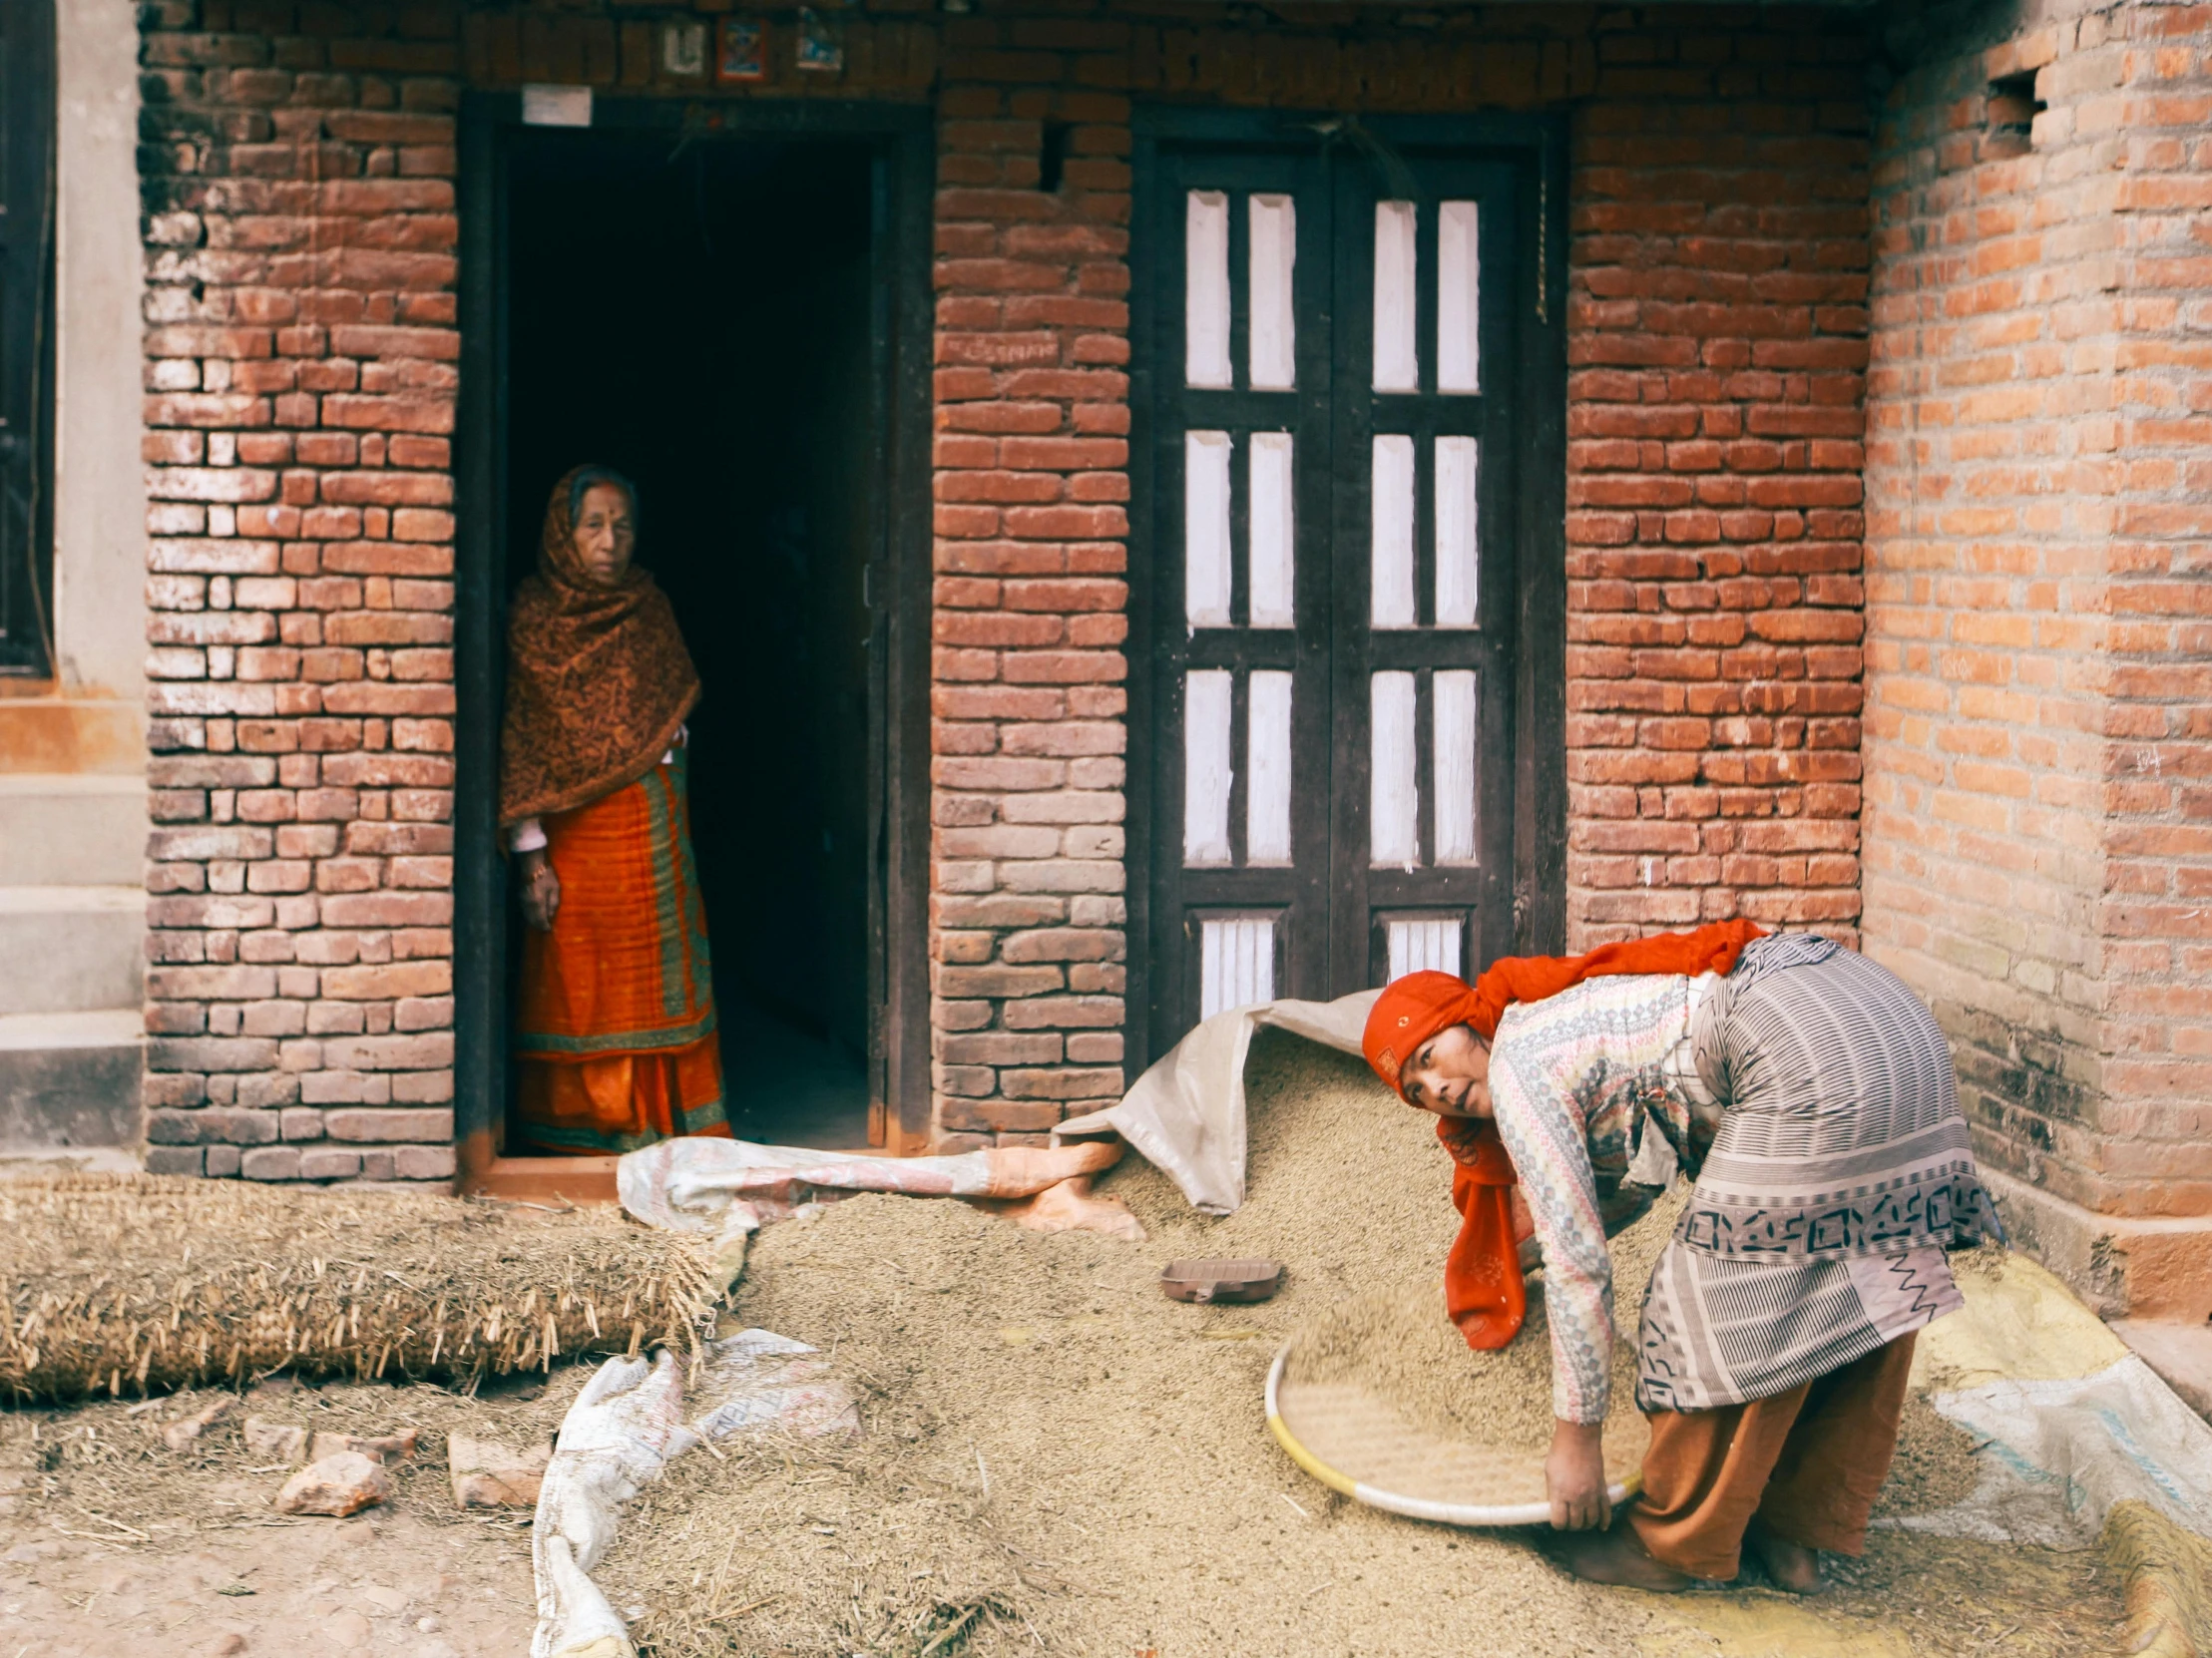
1397	1345
1058	1457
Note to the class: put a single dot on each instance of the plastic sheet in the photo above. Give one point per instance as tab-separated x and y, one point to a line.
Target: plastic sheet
623	1428
1186	1115
2074	1424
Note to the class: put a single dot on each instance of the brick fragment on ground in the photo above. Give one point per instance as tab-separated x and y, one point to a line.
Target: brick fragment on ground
276	1441
184	1432
490	1475
388	1448
337	1486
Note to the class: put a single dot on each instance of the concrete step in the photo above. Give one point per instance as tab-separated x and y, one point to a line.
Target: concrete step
2180	1353
72	831
70	1081
70	949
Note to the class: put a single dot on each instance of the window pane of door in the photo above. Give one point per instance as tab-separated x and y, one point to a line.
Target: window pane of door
1427	943
1389	570
1206	288
1456	544
1274	221
1273	528
1207	528
1267	760
1395	807
1236	964
1457	769
1206	767
1397	359
1459	293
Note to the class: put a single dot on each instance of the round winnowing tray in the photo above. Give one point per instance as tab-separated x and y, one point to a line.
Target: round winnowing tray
1354	1442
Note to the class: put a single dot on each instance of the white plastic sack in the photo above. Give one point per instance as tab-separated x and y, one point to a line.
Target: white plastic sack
699	1185
2062	1452
2072	1422
757	1380
1186	1113
623	1428
615	1437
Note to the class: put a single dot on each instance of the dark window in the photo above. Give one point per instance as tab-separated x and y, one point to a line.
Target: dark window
26	334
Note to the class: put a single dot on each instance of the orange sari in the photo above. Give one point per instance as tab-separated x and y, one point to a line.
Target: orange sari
616	1041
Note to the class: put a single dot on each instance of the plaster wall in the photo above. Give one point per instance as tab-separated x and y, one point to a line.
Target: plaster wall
99	496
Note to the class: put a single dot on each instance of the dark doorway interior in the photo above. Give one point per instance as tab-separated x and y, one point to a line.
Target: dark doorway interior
695	312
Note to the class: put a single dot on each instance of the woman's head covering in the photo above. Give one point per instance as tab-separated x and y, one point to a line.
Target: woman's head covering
1413	1008
598	679
1410	1012
1482	1292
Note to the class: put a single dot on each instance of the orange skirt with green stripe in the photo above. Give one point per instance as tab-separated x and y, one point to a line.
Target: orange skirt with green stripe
616	1044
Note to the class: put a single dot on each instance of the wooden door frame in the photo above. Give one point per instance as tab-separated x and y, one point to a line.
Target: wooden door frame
898	581
1536	144
27	397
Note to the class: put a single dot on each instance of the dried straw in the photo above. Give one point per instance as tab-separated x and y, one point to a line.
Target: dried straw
139	1283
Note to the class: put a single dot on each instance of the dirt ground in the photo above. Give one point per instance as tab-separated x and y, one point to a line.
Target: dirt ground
112	1543
1055	1459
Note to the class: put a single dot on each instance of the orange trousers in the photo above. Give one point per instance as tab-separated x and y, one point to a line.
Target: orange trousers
1805	1464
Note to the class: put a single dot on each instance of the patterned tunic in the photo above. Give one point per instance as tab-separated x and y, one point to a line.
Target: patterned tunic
1810	1096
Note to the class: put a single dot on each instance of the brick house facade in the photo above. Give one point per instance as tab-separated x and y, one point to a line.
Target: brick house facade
1755	202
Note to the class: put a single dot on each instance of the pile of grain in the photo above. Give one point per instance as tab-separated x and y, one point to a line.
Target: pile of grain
139	1283
1058	1455
1398	1346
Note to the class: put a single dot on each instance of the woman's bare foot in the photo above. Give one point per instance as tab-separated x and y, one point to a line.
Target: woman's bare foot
1791	1567
1613	1556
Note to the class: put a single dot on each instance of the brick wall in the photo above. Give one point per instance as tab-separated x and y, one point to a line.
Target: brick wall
1716	355
1718	340
297	188
2036	851
1027	670
300	201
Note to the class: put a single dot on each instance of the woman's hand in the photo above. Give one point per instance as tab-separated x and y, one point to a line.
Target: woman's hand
1574	1477
541	891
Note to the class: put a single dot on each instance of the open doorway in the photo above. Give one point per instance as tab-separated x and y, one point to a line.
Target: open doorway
695	312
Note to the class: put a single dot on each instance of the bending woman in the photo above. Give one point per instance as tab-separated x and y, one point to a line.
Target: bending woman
615	1039
1809	1096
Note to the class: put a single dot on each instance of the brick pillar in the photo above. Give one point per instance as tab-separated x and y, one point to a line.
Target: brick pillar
297	170
1026	914
1717	342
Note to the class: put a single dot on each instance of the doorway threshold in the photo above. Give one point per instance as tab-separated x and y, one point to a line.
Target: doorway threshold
486	1173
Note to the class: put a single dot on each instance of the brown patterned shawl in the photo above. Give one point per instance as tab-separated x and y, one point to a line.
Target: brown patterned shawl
598	679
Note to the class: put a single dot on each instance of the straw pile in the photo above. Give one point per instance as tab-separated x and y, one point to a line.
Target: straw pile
139	1283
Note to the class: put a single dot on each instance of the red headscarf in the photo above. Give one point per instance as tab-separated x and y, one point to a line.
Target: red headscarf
1483	1291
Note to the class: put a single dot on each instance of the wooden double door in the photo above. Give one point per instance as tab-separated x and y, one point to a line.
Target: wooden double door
1348	370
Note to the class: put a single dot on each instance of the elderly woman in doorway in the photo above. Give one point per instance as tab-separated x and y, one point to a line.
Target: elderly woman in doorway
615	1032
1810	1096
